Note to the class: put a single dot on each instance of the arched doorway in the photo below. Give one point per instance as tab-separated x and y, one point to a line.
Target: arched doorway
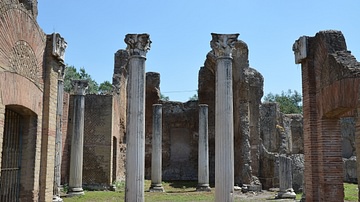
18	150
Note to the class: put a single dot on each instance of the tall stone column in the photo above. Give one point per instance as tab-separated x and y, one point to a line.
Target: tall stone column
137	47
58	52
77	138
58	137
156	156
203	159
222	46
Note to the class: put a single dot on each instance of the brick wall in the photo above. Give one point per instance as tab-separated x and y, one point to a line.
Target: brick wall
97	165
330	91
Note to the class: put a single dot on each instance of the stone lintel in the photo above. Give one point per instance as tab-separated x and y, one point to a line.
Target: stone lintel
223	44
300	49
137	44
79	86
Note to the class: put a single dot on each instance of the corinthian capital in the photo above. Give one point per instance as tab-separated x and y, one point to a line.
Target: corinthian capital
79	86
59	46
137	44
223	44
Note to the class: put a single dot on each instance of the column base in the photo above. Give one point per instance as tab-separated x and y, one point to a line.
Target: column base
289	193
156	188
57	199
75	191
203	187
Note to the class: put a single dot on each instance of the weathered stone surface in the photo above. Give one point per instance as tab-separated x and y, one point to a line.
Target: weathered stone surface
348	136
350	170
297	172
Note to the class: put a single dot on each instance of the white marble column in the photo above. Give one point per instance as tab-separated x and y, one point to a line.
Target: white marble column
203	158
156	155
137	47
77	139
222	46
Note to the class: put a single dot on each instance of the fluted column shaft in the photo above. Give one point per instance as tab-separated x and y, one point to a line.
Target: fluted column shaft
203	159
77	139
222	45
138	45
156	155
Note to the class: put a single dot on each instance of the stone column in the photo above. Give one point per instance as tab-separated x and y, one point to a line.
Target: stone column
137	47
222	46
203	161
58	52
156	156
77	138
285	178
58	138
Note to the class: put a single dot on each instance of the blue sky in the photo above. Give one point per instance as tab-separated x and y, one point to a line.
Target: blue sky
180	34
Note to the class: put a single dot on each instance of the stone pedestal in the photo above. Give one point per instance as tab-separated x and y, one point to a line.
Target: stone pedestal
137	47
77	139
203	161
285	178
222	46
156	155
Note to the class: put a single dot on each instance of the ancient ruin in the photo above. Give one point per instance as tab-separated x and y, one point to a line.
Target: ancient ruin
330	77
227	131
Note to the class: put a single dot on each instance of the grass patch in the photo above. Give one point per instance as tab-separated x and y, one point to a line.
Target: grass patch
181	191
351	192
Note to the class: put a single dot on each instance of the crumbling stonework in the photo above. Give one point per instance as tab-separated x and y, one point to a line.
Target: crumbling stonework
247	93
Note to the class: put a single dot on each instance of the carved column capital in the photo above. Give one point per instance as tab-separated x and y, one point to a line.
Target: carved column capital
59	46
79	86
300	49
137	44
223	44
61	72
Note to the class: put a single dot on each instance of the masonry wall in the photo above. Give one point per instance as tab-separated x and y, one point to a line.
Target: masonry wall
97	165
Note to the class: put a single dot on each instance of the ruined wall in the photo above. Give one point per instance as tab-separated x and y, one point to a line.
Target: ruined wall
119	113
247	93
28	82
330	91
180	140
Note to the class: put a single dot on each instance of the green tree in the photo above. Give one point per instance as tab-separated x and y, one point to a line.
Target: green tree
290	101
194	97
164	98
71	73
105	88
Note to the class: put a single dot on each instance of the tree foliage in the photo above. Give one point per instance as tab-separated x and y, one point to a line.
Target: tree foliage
164	98
71	73
290	101
105	88
194	97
